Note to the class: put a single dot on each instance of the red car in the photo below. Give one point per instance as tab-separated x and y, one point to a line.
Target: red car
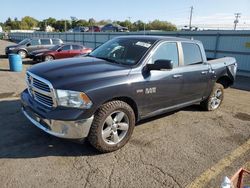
59	52
94	29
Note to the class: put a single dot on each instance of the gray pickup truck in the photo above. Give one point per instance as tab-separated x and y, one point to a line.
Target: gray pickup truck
127	79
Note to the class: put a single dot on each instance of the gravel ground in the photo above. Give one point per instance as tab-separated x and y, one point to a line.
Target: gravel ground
171	150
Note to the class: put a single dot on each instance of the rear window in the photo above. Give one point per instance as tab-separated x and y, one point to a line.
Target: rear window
66	47
192	53
45	41
76	47
56	41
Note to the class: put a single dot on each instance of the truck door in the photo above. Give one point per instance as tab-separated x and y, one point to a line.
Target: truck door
162	87
195	73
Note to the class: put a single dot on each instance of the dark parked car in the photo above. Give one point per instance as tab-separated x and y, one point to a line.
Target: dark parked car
123	81
26	46
114	28
94	29
80	29
59	52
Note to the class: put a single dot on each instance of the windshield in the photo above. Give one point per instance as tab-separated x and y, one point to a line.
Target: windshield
54	48
123	50
25	41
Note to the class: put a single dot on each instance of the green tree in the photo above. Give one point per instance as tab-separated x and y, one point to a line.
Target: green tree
60	25
28	22
49	21
81	22
161	25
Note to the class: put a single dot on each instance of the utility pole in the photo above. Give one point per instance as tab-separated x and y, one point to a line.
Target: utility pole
129	19
65	25
236	21
190	18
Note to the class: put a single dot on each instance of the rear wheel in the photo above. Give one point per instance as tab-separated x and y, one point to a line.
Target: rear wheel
215	99
48	58
22	53
112	127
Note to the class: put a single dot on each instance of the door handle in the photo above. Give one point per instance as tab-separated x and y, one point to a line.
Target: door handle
177	75
204	72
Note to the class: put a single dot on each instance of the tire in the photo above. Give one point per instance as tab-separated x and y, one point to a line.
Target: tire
48	58
112	126
22	53
215	99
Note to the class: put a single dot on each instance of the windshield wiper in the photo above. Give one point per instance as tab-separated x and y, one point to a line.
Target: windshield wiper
108	59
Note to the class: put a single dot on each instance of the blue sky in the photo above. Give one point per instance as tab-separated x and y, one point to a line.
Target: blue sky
205	11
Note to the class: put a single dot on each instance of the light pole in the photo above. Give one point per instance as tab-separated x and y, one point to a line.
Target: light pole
236	21
190	18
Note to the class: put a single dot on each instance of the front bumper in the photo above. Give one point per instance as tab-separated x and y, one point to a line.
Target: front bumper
63	129
64	123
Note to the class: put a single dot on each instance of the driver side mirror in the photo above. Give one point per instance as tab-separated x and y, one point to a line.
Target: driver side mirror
161	64
59	50
28	44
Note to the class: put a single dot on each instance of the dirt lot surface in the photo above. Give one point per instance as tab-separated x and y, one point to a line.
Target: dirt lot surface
186	148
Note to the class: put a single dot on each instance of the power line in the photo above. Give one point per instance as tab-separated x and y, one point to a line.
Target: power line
236	21
190	18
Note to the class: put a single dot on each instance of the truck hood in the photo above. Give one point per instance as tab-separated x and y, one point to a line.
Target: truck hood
78	74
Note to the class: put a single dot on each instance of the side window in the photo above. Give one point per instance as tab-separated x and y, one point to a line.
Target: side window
56	41
192	53
34	42
167	51
66	47
76	47
45	41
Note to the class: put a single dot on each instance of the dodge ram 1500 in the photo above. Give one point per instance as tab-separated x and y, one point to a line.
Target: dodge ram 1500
103	95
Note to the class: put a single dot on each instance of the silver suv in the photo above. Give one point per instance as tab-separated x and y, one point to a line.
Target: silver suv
26	46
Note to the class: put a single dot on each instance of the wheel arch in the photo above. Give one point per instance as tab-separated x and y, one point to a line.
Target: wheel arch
225	81
130	102
22	49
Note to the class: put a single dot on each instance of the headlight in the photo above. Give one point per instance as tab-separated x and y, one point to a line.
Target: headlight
11	48
73	99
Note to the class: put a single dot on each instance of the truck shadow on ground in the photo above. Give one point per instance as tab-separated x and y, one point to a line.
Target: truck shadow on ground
20	139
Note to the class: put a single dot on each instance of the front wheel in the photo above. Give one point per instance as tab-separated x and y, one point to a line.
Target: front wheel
112	127
215	98
48	58
22	53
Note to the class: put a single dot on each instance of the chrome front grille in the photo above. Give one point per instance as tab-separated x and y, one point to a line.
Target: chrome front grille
40	89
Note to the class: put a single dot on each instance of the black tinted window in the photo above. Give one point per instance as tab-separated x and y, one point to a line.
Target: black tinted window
45	41
192	53
77	47
56	41
34	42
166	51
66	47
123	50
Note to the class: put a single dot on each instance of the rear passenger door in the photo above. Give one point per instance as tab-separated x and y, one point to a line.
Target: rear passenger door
195	73
76	50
